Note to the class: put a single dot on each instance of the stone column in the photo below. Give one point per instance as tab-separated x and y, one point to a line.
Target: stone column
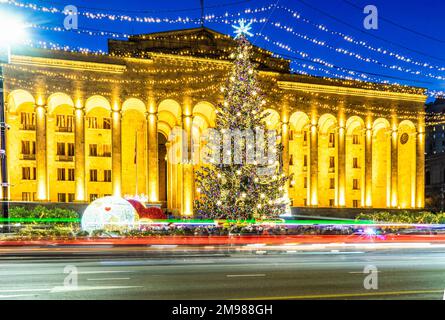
187	166
79	147
341	194
153	161
42	172
420	168
313	199
368	168
116	157
394	168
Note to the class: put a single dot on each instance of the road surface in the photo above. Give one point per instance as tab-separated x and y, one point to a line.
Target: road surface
209	273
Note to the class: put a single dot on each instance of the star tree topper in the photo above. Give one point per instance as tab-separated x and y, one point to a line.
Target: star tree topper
243	28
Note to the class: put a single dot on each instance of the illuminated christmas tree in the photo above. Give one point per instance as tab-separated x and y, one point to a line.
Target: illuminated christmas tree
243	177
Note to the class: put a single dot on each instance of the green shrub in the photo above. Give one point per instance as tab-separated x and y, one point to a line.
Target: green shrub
404	217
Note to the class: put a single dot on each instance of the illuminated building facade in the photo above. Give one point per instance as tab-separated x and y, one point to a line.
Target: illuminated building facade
435	158
84	126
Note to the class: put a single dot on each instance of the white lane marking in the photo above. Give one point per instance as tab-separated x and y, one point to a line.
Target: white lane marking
24	290
163	246
104	271
15	296
86	288
107	279
245	275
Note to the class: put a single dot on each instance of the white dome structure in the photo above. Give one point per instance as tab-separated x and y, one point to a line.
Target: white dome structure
110	214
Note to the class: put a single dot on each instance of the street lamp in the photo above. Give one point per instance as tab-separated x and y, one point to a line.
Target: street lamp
12	30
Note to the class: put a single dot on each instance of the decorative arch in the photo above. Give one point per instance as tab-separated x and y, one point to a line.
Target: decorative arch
205	110
59	99
97	102
171	106
298	121
379	124
134	104
326	122
20	97
354	123
272	120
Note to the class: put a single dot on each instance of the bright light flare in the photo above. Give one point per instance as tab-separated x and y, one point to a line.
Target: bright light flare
12	29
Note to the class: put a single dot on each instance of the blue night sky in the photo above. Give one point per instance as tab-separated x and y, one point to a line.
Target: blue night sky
414	29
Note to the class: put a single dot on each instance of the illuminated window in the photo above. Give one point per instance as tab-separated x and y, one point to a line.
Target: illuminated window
71	174
93	196
93	150
106	123
28	121
28	151
107	175
26	196
106	150
355	203
331	183
71	197
355	163
93	175
92	122
355	184
28	173
61	174
355	139
70	149
61	197
331	162
60	148
332	140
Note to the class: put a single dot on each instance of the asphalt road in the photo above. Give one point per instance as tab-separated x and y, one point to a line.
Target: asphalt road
162	273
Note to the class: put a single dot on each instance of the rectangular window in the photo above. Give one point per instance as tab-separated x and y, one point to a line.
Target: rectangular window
291	135
60	148
305	160
93	196
71	197
93	175
70	148
107	123
93	150
304	138
355	163
305	182
26	173
305	202
331	162
106	150
107	175
355	139
70	174
291	160
331	202
61	197
331	183
28	120
355	184
61	174
355	203
332	140
92	122
26	196
69	123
